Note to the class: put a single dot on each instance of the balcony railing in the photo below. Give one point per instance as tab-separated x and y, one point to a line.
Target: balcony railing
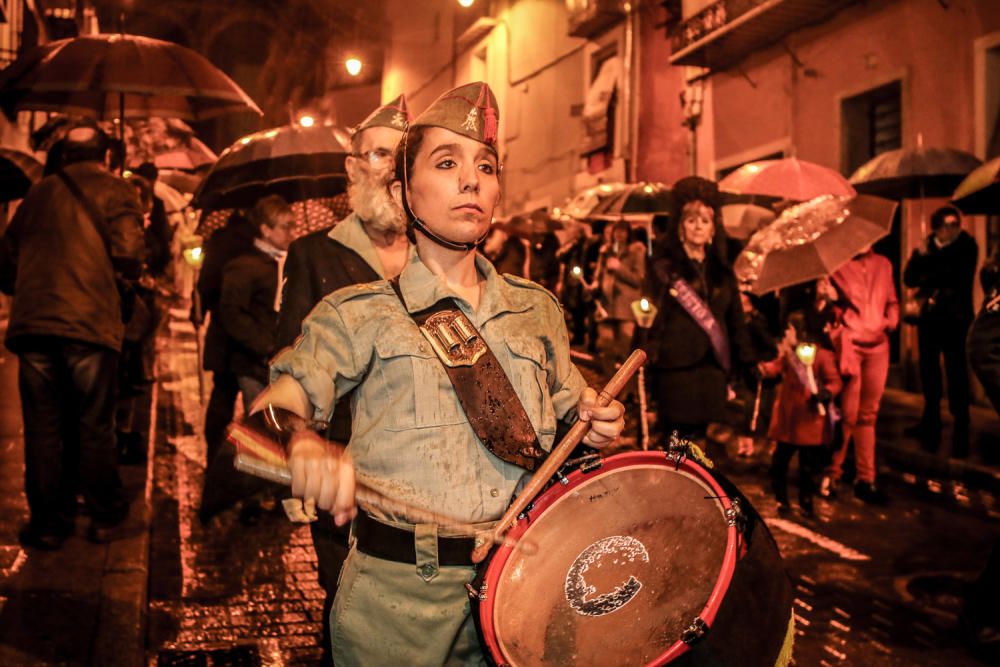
726	31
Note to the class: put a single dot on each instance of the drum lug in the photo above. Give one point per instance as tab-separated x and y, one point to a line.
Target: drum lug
695	632
734	515
562	478
591	466
524	515
478	595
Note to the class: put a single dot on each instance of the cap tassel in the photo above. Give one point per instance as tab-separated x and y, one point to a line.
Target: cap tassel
490	125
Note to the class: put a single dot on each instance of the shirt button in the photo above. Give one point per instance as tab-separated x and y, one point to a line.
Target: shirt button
494	492
427	569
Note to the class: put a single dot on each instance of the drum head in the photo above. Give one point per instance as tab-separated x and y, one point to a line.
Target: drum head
620	564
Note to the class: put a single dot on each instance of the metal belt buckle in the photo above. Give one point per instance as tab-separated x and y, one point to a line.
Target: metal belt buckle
453	338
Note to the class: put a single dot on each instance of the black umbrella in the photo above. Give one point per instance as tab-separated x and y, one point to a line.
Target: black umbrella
295	162
914	173
110	76
18	172
637	199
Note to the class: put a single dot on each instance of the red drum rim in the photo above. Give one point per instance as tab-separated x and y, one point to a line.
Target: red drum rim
574	479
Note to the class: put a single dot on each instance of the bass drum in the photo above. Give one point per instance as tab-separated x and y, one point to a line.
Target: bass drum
644	559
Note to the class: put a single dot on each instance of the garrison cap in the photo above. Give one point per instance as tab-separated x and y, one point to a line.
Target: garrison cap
393	115
470	110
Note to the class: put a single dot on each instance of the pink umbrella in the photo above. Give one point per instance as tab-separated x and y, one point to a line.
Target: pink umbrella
788	178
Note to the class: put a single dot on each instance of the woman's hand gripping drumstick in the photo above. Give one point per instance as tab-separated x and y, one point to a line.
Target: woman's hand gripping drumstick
600	423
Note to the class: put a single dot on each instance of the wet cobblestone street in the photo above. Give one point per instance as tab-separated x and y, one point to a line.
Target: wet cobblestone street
221	585
876	587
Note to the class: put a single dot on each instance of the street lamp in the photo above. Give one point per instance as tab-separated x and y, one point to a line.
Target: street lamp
466	3
353	66
307	121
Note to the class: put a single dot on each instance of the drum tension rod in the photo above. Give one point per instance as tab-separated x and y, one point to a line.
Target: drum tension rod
695	632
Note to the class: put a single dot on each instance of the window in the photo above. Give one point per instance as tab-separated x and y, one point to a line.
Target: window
599	109
872	124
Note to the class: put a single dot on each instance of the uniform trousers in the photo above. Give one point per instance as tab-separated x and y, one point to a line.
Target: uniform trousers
859	404
391	614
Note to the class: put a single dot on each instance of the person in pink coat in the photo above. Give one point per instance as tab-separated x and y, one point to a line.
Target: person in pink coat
869	311
801	420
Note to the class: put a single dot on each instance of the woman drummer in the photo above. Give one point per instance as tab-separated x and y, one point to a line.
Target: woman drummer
402	596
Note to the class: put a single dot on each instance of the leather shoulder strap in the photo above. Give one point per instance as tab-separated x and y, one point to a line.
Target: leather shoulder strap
93	215
488	398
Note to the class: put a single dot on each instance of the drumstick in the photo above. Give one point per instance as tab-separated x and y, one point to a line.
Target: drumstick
258	455
485	540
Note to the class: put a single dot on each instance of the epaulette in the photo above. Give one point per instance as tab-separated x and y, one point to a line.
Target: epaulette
518	281
358	291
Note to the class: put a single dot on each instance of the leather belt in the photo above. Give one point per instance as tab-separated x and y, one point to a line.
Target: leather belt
381	540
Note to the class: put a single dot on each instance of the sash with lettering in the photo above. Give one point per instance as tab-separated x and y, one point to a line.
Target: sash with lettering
699	311
483	389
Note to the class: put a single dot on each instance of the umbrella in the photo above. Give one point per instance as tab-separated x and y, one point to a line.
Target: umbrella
310	215
742	220
173	200
119	76
637	199
180	180
914	173
292	161
811	240
581	205
18	172
788	178
979	193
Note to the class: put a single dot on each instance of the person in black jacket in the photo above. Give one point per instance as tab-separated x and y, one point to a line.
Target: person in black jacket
228	243
943	269
249	297
368	245
73	233
690	375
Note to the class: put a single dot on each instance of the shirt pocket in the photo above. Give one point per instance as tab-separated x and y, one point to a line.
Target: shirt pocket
529	375
416	391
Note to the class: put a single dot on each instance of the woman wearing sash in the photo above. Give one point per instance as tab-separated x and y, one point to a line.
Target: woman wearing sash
402	598
698	334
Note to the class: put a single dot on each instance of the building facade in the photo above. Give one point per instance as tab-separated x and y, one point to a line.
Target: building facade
838	81
585	89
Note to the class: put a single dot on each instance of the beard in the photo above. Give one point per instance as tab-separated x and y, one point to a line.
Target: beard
370	199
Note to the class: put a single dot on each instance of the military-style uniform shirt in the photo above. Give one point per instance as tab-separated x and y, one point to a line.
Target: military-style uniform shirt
411	436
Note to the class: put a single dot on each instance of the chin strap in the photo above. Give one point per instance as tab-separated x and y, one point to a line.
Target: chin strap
419	225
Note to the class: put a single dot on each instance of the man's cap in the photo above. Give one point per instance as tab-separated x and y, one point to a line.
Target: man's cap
393	115
470	110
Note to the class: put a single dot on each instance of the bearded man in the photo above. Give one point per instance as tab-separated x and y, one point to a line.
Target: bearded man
368	245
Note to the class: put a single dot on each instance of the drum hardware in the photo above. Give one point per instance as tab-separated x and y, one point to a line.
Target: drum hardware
558	455
591	466
695	632
726	575
480	594
679	449
561	477
734	515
